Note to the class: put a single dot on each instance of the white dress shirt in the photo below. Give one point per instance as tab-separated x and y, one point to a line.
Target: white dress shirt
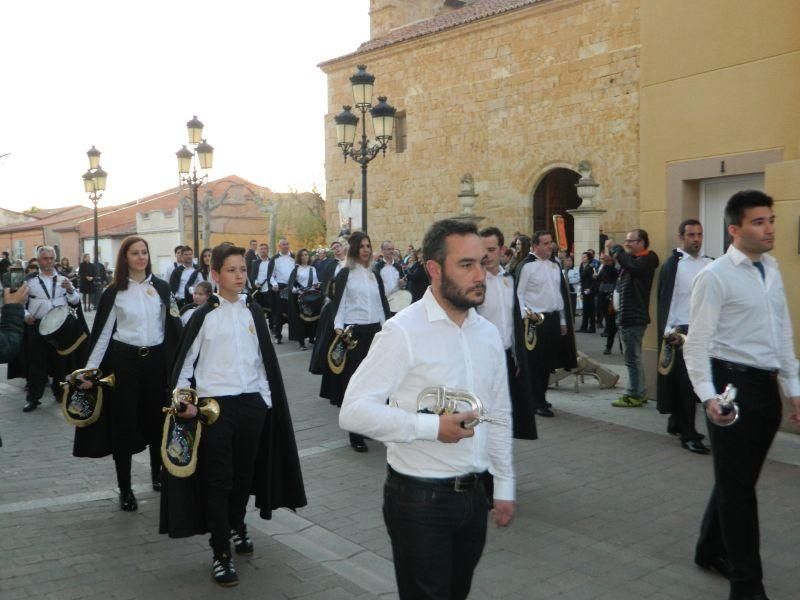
737	317
688	268
301	278
227	353
498	305
361	300
391	278
284	265
187	315
138	314
421	347
45	293
539	288
182	293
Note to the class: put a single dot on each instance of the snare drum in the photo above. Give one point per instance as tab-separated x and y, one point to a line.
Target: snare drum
61	328
398	300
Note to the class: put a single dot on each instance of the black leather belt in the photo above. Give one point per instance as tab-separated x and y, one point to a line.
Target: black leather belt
462	483
745	369
141	351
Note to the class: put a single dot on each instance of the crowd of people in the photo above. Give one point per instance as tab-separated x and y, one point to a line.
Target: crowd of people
443	353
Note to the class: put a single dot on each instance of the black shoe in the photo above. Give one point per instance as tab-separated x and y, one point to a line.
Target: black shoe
716	564
756	596
303	347
544	411
696	446
607	351
30	405
359	446
241	541
127	501
223	571
603	334
278	340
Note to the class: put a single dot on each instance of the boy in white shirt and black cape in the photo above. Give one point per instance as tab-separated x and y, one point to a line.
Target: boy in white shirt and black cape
226	353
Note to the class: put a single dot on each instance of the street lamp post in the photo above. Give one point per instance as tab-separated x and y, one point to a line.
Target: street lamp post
187	169
347	123
94	183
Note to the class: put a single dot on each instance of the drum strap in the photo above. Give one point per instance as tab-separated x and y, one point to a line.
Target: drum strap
44	287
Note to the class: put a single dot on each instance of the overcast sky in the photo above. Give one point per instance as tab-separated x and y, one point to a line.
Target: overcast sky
126	76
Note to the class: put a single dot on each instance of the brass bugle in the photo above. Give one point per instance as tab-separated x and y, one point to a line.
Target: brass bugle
207	408
531	322
441	400
93	375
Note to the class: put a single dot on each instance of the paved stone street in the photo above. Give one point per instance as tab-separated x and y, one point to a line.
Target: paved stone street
608	508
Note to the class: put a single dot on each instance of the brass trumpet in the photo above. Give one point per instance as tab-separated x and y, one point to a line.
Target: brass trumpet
337	353
531	322
673	339
83	407
181	437
440	400
727	403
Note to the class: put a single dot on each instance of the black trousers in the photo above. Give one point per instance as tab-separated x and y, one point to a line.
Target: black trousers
523	417
228	451
279	312
542	359
684	401
587	321
364	334
730	524
437	535
42	362
139	395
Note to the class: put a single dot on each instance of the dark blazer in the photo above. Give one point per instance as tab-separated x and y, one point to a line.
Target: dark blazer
634	285
277	478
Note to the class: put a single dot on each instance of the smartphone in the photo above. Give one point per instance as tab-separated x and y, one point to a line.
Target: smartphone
13	278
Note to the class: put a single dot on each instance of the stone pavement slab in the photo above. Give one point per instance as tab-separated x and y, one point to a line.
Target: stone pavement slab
608	508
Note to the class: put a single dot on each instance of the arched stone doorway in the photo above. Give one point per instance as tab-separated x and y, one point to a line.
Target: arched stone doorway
555	195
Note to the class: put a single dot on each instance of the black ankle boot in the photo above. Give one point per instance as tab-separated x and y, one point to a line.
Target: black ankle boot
127	501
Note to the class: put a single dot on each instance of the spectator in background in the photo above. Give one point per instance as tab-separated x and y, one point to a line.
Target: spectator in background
5	263
607	281
588	293
85	285
573	277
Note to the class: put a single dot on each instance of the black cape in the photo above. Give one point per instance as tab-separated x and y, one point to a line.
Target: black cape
665	402
297	327
325	332
277	479
95	440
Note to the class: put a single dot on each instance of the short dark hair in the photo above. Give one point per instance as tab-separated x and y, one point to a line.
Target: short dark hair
643	236
187	249
223	251
434	244
178	247
493	231
253	241
684	224
741	201
204	286
536	237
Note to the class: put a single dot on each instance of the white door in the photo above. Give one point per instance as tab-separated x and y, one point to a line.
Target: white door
714	195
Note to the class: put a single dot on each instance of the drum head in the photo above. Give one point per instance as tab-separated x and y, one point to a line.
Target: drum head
399	300
53	320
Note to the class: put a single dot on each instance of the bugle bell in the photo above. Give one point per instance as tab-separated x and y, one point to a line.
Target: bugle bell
181	436
440	400
337	353
673	339
531	322
83	407
727	404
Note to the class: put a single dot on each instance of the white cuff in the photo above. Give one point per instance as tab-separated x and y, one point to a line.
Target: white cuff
503	489
427	427
705	391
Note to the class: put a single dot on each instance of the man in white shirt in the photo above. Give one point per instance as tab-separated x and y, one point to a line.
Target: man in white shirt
389	269
283	265
741	334
48	290
542	289
498	308
674	392
435	503
184	276
259	275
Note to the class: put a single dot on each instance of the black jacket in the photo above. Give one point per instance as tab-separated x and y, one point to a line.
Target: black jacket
634	285
277	478
588	281
12	320
175	281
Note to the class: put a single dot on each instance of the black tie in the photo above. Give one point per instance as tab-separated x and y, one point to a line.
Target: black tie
760	266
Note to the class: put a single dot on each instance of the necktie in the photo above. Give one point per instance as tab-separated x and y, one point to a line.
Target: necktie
760	266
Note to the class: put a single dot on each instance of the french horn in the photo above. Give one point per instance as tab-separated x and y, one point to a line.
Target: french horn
727	403
440	400
82	407
673	339
531	322
337	353
181	437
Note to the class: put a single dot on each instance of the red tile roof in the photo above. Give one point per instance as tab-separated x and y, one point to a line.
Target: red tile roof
480	9
52	217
